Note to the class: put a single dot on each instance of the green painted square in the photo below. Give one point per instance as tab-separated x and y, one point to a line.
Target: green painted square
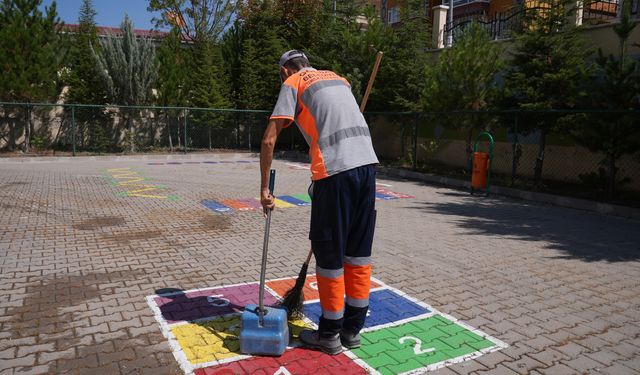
418	344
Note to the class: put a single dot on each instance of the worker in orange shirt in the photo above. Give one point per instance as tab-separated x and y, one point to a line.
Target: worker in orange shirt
342	193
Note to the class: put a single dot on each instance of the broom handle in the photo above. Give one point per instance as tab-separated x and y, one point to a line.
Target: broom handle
309	256
371	79
265	247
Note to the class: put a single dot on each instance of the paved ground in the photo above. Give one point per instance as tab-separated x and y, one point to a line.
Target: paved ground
78	255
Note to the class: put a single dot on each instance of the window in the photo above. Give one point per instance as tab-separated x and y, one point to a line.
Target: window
394	15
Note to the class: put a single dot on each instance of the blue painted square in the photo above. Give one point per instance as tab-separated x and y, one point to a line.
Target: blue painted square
215	206
384	196
385	306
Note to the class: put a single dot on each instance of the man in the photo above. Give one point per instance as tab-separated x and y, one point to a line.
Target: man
343	193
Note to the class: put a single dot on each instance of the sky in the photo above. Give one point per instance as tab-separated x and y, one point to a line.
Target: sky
110	12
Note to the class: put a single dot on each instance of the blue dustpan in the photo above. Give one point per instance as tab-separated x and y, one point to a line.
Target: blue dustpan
264	330
269	338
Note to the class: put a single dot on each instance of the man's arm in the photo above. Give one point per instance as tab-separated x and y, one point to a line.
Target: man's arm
274	127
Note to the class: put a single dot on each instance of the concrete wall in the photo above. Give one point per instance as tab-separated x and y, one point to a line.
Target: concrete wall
562	162
596	36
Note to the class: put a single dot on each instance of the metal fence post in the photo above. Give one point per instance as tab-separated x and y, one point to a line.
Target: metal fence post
186	114
415	142
243	115
515	150
73	130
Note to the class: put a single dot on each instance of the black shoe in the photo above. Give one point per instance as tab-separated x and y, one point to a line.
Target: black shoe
350	340
330	345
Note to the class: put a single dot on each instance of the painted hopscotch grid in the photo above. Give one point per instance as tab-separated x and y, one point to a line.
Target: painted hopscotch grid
421	340
282	201
131	183
204	162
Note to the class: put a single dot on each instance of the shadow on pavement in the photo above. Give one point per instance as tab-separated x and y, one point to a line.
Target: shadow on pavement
575	234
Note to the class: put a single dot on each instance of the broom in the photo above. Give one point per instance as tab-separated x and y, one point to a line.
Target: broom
293	299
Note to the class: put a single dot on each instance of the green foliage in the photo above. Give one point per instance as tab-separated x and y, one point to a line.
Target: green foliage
127	66
32	54
231	49
549	62
203	20
84	82
174	65
32	50
208	86
83	79
399	81
464	76
617	87
549	69
302	21
463	79
262	46
349	43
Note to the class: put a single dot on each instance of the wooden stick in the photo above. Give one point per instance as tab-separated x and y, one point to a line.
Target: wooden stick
371	79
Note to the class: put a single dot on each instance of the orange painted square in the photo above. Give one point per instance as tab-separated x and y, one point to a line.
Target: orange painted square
310	293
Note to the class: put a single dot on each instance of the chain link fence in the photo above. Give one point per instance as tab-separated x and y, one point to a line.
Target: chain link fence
588	154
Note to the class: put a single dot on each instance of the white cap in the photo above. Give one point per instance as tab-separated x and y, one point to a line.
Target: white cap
291	55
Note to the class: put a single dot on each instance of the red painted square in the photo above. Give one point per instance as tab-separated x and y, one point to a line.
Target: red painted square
310	287
238	205
393	193
294	361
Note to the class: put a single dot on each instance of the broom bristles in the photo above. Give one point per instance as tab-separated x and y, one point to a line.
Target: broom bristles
293	299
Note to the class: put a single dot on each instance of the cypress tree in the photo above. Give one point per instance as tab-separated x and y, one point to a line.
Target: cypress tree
174	64
85	84
128	68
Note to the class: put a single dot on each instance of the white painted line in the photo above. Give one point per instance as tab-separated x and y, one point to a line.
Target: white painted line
188	367
381	184
179	355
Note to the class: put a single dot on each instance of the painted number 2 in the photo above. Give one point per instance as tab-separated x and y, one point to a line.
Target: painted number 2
314	285
417	348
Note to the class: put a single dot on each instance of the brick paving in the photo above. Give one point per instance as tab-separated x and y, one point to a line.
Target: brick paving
79	253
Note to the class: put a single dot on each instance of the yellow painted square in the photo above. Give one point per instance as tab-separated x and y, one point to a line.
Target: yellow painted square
217	339
281	204
209	341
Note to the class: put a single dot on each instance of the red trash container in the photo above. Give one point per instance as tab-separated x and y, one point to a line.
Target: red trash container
480	170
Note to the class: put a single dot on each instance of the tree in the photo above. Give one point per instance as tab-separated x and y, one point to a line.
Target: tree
197	19
231	48
85	85
128	68
174	65
301	21
548	68
83	79
398	87
617	87
209	89
262	46
464	78
349	43
32	54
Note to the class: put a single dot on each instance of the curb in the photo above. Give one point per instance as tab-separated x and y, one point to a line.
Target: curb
175	156
567	202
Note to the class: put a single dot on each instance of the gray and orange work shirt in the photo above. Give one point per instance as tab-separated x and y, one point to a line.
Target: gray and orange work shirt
326	112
